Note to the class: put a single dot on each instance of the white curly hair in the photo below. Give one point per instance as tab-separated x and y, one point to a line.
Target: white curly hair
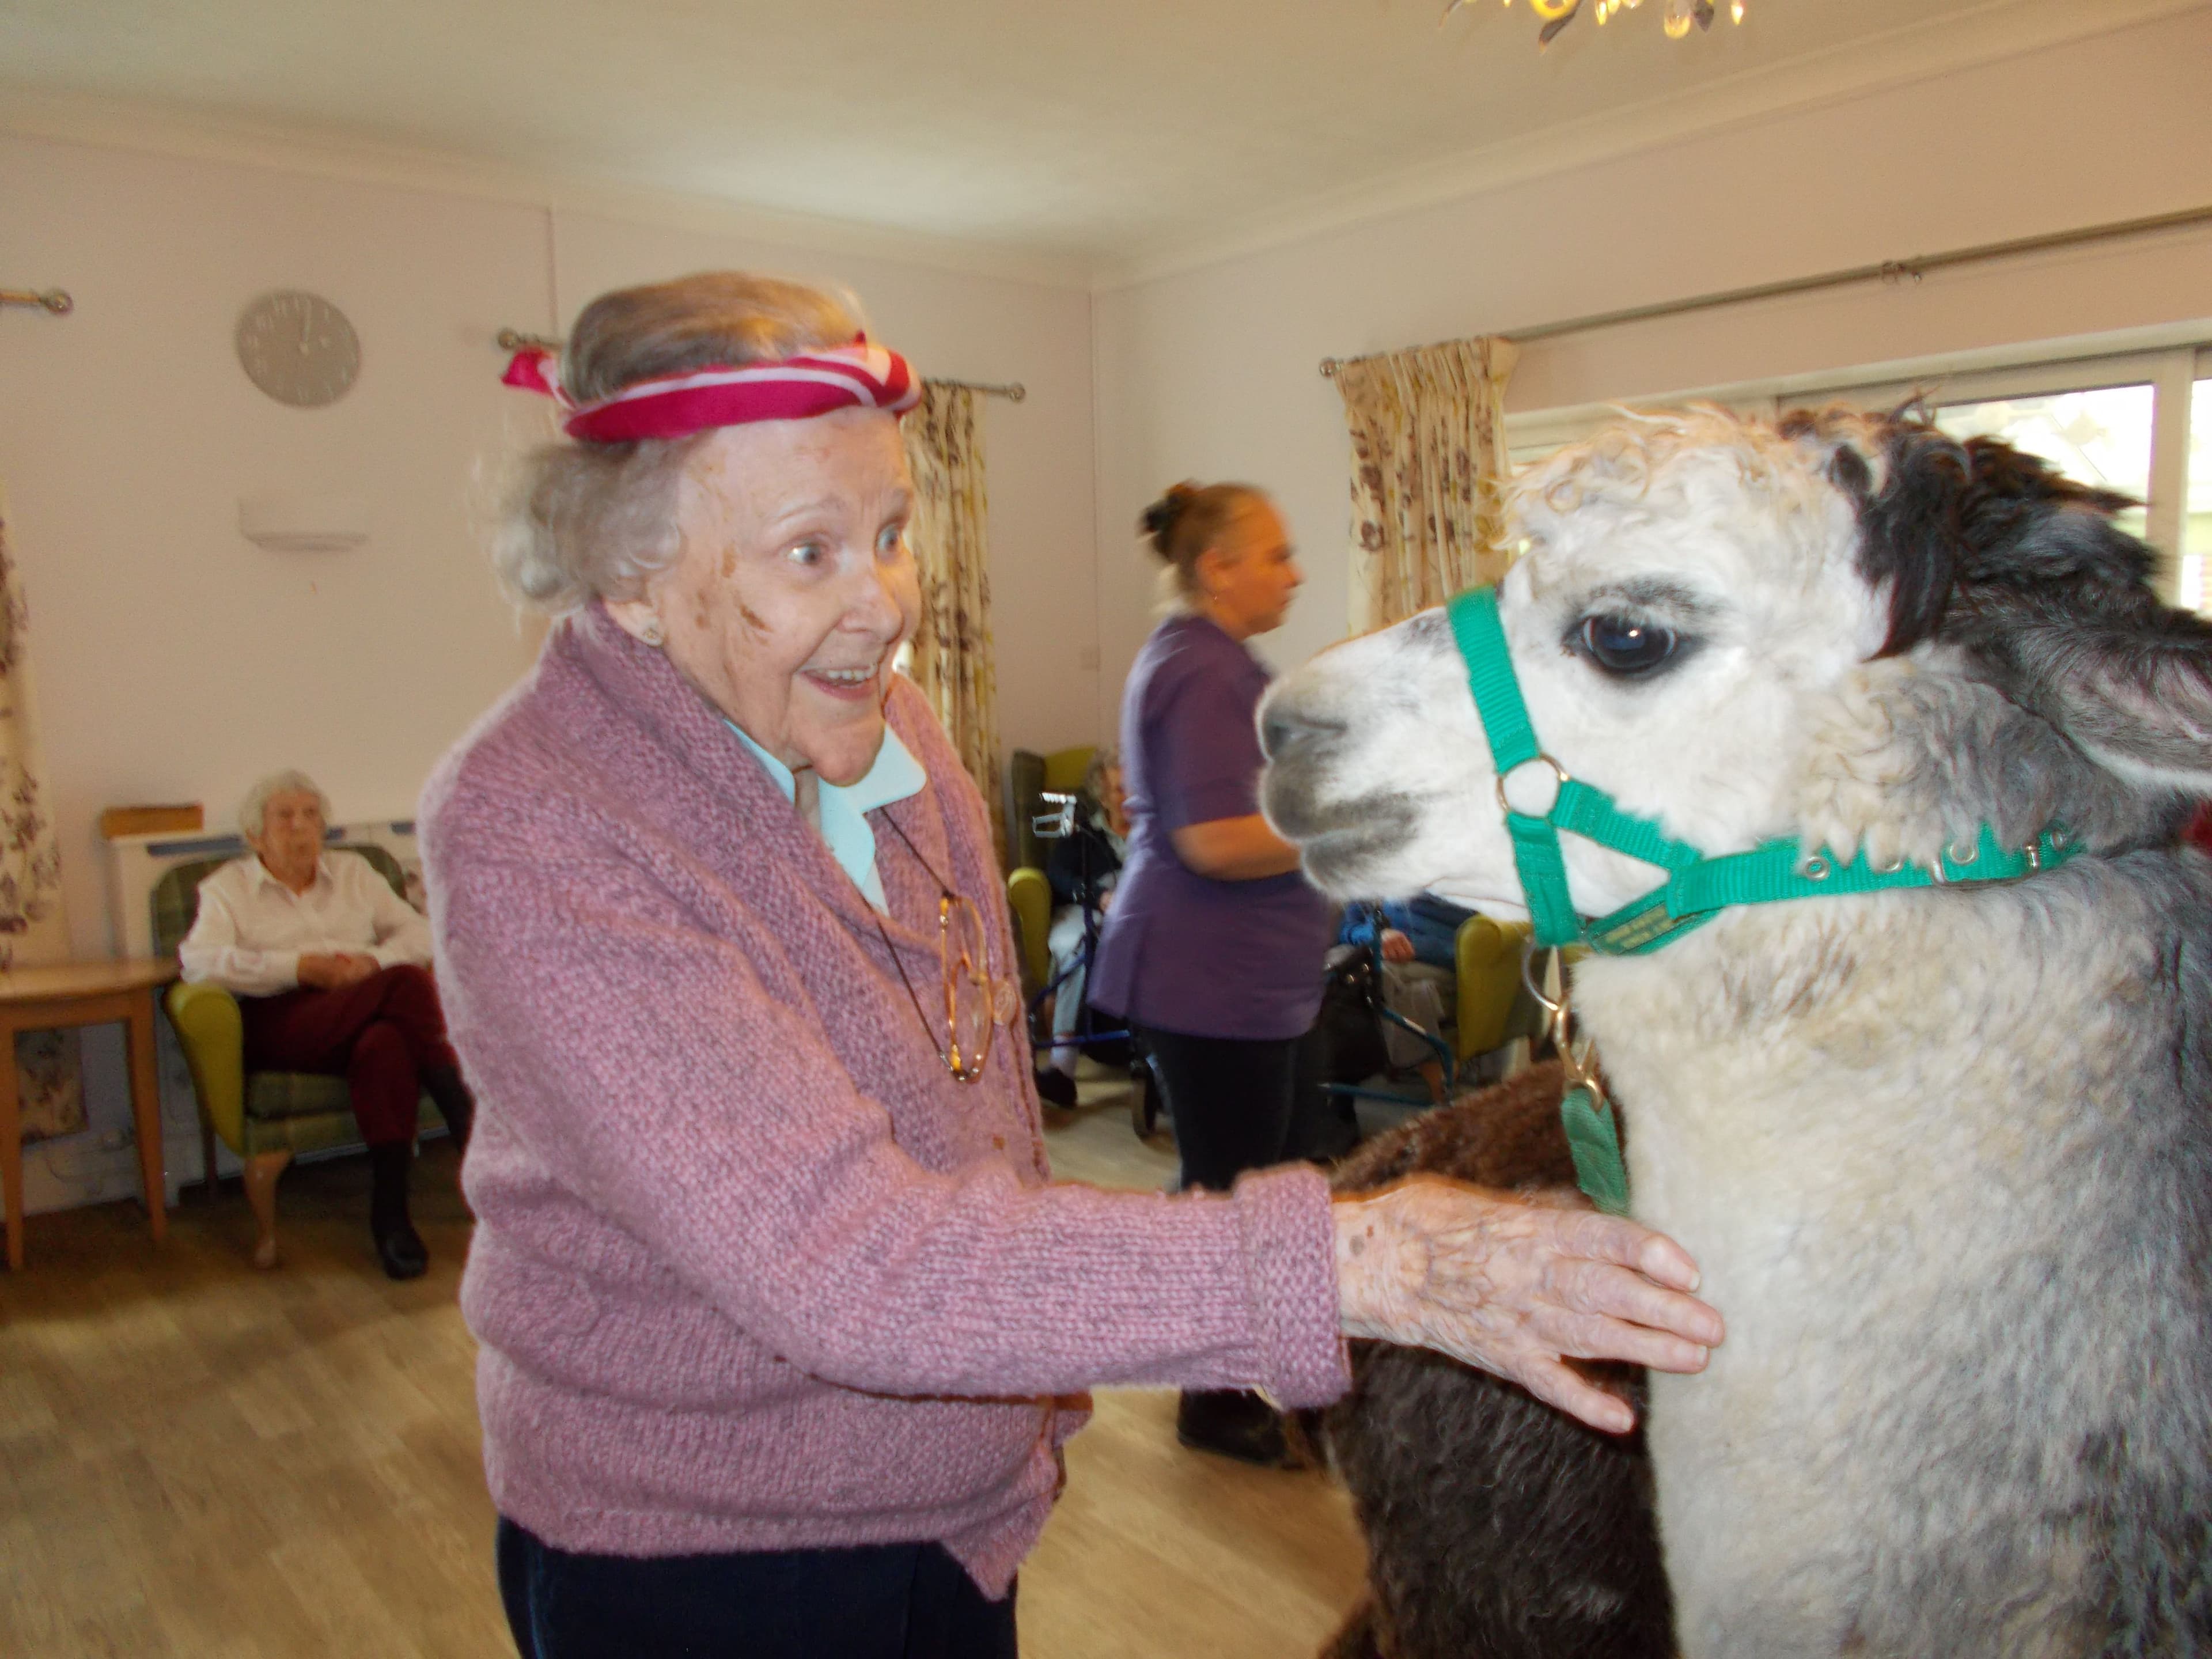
254	809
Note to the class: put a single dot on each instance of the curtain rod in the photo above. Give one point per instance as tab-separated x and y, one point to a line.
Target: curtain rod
1889	270
53	299
513	339
1012	391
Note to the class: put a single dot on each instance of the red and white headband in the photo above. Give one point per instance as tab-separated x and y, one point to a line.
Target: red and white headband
797	388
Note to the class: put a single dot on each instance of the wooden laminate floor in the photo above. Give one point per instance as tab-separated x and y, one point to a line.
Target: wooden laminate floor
202	1461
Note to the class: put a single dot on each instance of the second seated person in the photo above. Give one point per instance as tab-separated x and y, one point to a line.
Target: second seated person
1215	948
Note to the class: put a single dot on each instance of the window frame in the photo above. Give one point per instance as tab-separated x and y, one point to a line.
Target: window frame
2171	367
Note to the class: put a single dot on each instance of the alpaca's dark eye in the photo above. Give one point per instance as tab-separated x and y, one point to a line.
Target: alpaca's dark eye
1619	646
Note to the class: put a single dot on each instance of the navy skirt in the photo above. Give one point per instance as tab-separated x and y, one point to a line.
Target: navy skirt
876	1602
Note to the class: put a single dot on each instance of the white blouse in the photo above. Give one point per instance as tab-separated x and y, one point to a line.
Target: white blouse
252	929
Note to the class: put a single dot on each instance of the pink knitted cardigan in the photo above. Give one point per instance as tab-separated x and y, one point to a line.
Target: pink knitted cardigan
751	1271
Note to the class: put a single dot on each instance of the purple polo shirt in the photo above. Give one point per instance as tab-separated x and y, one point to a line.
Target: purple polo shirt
1181	952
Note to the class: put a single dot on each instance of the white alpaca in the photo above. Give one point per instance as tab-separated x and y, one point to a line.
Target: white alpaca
1945	1156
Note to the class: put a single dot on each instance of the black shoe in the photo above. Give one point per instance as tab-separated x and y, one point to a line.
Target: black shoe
398	1246
1232	1423
1056	1088
401	1250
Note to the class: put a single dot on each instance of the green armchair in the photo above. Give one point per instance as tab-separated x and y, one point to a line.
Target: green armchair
1028	896
266	1118
1494	1009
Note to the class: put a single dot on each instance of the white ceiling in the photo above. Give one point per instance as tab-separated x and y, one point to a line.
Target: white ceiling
1108	134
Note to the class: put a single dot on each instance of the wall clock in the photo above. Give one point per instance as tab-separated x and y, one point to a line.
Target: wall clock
298	348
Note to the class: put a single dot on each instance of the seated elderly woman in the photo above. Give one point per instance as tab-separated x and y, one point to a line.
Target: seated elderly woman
327	964
781	1325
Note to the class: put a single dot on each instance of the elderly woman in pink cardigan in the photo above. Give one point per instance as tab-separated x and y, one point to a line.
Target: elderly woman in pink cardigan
783	1327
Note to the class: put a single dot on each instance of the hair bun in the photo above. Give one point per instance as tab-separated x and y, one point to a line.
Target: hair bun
1158	520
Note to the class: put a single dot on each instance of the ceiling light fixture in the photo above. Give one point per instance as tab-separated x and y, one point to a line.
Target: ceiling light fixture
1676	17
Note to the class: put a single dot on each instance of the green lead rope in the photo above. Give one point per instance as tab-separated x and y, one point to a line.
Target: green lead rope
1697	888
1595	1139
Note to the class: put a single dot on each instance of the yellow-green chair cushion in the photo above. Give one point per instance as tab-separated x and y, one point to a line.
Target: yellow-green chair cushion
1028	894
1493	1009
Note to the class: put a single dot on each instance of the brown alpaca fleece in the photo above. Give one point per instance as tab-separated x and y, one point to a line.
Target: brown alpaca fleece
1497	1525
1507	1136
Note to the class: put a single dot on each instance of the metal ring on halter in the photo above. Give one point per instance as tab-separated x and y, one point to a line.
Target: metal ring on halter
1529	953
1581	1071
1558	772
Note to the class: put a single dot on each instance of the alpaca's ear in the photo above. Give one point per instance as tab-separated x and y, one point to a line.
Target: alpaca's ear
2056	602
1912	536
1981	545
1910	485
2130	683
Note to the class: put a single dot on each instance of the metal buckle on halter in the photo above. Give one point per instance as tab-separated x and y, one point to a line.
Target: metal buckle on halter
1559	782
2032	862
1960	853
1552	1010
1581	1065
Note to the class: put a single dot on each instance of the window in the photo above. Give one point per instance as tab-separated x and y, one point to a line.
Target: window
2100	436
2139	423
2196	520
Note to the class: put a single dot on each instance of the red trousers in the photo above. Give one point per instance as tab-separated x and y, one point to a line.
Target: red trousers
380	1035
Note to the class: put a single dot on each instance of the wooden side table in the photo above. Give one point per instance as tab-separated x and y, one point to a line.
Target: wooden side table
59	994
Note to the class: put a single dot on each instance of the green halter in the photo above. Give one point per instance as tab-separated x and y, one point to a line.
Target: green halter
1697	887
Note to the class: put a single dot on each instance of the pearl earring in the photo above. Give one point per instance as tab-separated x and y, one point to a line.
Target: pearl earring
652	635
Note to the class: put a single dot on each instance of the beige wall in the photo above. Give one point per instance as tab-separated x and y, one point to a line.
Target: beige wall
176	661
1213	372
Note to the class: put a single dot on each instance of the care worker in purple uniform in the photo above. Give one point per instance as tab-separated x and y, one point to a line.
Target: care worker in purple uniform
1214	950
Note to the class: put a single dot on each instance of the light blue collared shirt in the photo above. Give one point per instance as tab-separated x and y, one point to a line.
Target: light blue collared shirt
844	808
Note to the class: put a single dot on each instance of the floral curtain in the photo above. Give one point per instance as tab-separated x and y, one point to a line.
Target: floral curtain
49	1079
1428	457
952	658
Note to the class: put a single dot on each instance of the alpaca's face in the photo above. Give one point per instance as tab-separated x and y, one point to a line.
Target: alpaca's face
1689	599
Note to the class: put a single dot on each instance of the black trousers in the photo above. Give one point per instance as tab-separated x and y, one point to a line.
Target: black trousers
877	1601
1242	1103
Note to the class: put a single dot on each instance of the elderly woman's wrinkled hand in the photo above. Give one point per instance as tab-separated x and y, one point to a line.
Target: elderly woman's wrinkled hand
318	970
334	970
1518	1286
